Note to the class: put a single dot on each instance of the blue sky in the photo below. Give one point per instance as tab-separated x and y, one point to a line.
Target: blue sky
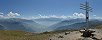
29	8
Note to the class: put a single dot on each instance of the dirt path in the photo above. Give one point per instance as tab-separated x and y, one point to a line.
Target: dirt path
76	36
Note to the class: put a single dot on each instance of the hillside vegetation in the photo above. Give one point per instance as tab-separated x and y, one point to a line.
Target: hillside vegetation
99	27
20	35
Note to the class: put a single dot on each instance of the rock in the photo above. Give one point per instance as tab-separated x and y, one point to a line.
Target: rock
87	33
67	33
60	37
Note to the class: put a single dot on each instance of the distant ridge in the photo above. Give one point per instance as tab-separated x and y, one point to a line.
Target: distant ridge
75	24
20	24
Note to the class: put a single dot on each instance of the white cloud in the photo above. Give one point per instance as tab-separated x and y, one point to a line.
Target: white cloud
97	17
78	15
75	15
94	15
17	14
12	15
1	15
40	16
9	15
50	16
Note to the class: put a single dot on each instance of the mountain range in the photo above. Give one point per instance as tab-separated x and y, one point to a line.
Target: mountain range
20	24
48	21
46	24
78	25
66	22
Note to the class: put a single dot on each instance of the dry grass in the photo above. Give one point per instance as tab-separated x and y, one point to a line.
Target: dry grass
99	27
20	35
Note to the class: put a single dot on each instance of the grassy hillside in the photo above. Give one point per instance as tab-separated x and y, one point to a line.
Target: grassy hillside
99	27
20	35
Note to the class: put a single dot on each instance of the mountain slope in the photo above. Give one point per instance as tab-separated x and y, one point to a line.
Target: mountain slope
48	21
21	35
66	22
20	24
92	24
2	27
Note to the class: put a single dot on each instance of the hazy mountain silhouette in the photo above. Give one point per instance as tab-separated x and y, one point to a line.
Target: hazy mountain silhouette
81	25
66	22
2	27
20	24
48	21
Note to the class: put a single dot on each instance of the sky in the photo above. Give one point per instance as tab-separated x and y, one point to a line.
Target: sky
46	8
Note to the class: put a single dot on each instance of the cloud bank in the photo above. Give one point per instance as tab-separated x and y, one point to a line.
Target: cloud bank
97	17
73	16
9	15
12	15
1	15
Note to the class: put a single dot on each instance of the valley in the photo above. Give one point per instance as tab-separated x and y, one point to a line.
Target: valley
22	29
